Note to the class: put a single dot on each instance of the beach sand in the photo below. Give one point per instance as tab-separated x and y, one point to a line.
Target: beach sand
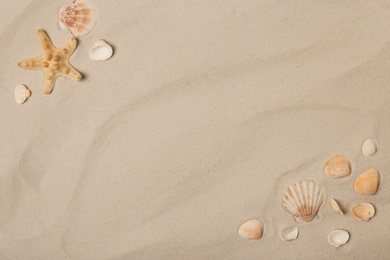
203	117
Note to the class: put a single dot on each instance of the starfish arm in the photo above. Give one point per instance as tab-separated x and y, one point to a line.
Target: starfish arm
70	47
31	64
49	84
72	73
46	43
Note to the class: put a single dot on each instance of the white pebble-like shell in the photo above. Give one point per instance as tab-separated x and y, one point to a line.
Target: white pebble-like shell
100	51
22	93
369	147
338	238
288	234
251	229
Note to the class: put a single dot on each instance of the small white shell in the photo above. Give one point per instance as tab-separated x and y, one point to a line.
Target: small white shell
22	93
369	147
60	24
251	229
289	233
335	207
338	237
101	50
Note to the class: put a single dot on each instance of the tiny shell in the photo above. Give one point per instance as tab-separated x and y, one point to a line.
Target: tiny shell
101	50
338	238
22	93
290	233
369	147
337	167
251	229
367	183
335	207
363	211
79	17
303	199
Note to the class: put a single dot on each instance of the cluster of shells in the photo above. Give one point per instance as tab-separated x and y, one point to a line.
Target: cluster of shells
304	198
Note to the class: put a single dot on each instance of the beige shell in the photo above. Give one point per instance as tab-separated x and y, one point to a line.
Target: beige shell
369	147
100	51
337	167
367	183
363	211
289	234
251	229
79	17
22	93
303	199
335	207
338	237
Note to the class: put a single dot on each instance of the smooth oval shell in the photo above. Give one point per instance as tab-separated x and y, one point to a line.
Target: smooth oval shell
363	211
335	207
338	238
79	17
369	147
22	93
251	229
303	199
337	167
290	233
100	51
367	183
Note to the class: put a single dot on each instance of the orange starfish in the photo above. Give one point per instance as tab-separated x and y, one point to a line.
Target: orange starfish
54	62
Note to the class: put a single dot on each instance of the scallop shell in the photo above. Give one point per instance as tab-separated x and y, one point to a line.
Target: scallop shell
79	17
303	199
337	167
22	93
338	237
101	50
289	234
335	207
363	211
369	147
367	183
251	229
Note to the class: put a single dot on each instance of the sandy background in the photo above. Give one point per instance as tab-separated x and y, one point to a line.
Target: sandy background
206	113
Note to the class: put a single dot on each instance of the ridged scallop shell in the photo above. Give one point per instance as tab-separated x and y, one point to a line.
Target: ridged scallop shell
303	199
335	207
338	237
79	17
367	183
290	233
337	167
22	93
369	147
100	51
363	211
251	229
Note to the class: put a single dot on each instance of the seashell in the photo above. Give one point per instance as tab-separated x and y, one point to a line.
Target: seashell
22	93
369	147
335	207
251	229
337	167
101	50
79	17
367	183
303	199
363	211
338	237
288	234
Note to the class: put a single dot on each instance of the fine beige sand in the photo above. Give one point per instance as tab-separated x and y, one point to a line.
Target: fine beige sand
205	114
